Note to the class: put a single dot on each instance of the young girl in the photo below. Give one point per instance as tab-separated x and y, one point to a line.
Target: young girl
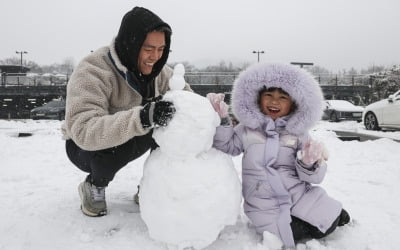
275	105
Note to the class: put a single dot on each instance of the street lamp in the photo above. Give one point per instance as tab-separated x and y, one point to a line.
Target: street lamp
21	52
301	64
258	54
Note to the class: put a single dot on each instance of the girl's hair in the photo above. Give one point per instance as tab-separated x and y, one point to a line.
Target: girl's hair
271	89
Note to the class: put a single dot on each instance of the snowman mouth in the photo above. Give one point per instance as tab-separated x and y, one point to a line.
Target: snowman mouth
273	110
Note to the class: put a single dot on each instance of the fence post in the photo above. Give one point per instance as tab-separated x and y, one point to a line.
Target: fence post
3	78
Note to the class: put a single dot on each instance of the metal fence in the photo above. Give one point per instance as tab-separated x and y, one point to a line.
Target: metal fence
329	79
35	80
227	78
217	78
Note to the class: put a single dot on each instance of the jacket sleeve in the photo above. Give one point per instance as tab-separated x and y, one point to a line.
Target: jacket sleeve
312	174
227	140
88	121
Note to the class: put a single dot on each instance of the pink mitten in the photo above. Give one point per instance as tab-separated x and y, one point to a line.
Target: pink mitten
312	152
217	101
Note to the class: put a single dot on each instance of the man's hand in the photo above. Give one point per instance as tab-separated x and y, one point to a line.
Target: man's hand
157	113
217	101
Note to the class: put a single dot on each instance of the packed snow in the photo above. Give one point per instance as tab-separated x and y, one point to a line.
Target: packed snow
40	201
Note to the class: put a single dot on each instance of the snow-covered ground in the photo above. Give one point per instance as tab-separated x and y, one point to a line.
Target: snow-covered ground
353	126
39	200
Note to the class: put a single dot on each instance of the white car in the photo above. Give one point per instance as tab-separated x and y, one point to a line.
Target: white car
338	110
383	114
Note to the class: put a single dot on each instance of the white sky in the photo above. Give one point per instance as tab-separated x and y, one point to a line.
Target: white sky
336	34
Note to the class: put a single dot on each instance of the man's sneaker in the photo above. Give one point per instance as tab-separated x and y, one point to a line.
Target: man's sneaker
93	199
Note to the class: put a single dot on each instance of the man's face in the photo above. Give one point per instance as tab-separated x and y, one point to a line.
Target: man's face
151	51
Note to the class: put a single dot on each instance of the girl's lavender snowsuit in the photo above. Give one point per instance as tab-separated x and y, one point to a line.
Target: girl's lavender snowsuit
275	184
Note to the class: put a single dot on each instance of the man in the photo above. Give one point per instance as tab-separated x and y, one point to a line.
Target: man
114	101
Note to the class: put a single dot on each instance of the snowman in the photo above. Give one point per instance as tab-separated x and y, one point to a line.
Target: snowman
189	191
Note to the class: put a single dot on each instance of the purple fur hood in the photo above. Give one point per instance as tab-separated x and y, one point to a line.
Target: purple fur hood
298	83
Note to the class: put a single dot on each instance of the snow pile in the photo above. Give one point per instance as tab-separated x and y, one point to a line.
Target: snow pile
189	191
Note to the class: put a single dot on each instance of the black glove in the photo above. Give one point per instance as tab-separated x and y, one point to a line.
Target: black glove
156	113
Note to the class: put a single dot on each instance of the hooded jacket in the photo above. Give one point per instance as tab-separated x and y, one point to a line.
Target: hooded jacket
275	184
133	31
105	95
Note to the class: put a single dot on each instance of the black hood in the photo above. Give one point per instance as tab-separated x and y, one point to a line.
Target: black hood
133	31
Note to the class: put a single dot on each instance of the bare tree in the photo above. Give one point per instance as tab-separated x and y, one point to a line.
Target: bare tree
11	61
318	70
67	66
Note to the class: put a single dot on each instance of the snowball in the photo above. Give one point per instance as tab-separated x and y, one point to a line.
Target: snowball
271	241
179	69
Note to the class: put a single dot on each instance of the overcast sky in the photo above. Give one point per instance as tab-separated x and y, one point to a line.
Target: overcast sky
335	34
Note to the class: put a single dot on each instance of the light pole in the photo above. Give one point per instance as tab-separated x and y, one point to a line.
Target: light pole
258	54
301	64
21	52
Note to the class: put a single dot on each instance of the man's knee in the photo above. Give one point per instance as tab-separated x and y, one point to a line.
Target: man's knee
102	165
77	156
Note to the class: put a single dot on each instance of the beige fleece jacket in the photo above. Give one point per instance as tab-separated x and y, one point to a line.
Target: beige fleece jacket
102	110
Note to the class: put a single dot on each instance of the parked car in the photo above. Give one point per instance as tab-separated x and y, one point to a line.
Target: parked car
337	110
52	110
383	114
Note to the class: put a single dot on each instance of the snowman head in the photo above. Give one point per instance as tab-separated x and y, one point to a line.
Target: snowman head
191	130
177	81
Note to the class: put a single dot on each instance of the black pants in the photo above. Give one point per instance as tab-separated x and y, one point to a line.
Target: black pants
303	230
102	165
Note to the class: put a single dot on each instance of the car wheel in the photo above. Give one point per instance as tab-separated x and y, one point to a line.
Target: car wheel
370	122
333	117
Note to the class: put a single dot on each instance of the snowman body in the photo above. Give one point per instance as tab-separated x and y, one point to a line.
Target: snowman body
189	191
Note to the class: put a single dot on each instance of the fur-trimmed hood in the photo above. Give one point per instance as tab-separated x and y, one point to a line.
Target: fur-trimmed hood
298	83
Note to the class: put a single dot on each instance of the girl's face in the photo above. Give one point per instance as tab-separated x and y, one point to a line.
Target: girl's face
275	103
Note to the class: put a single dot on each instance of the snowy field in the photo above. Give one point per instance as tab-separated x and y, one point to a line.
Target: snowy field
40	203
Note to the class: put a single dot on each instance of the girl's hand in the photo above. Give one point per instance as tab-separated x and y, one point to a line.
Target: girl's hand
312	152
217	101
